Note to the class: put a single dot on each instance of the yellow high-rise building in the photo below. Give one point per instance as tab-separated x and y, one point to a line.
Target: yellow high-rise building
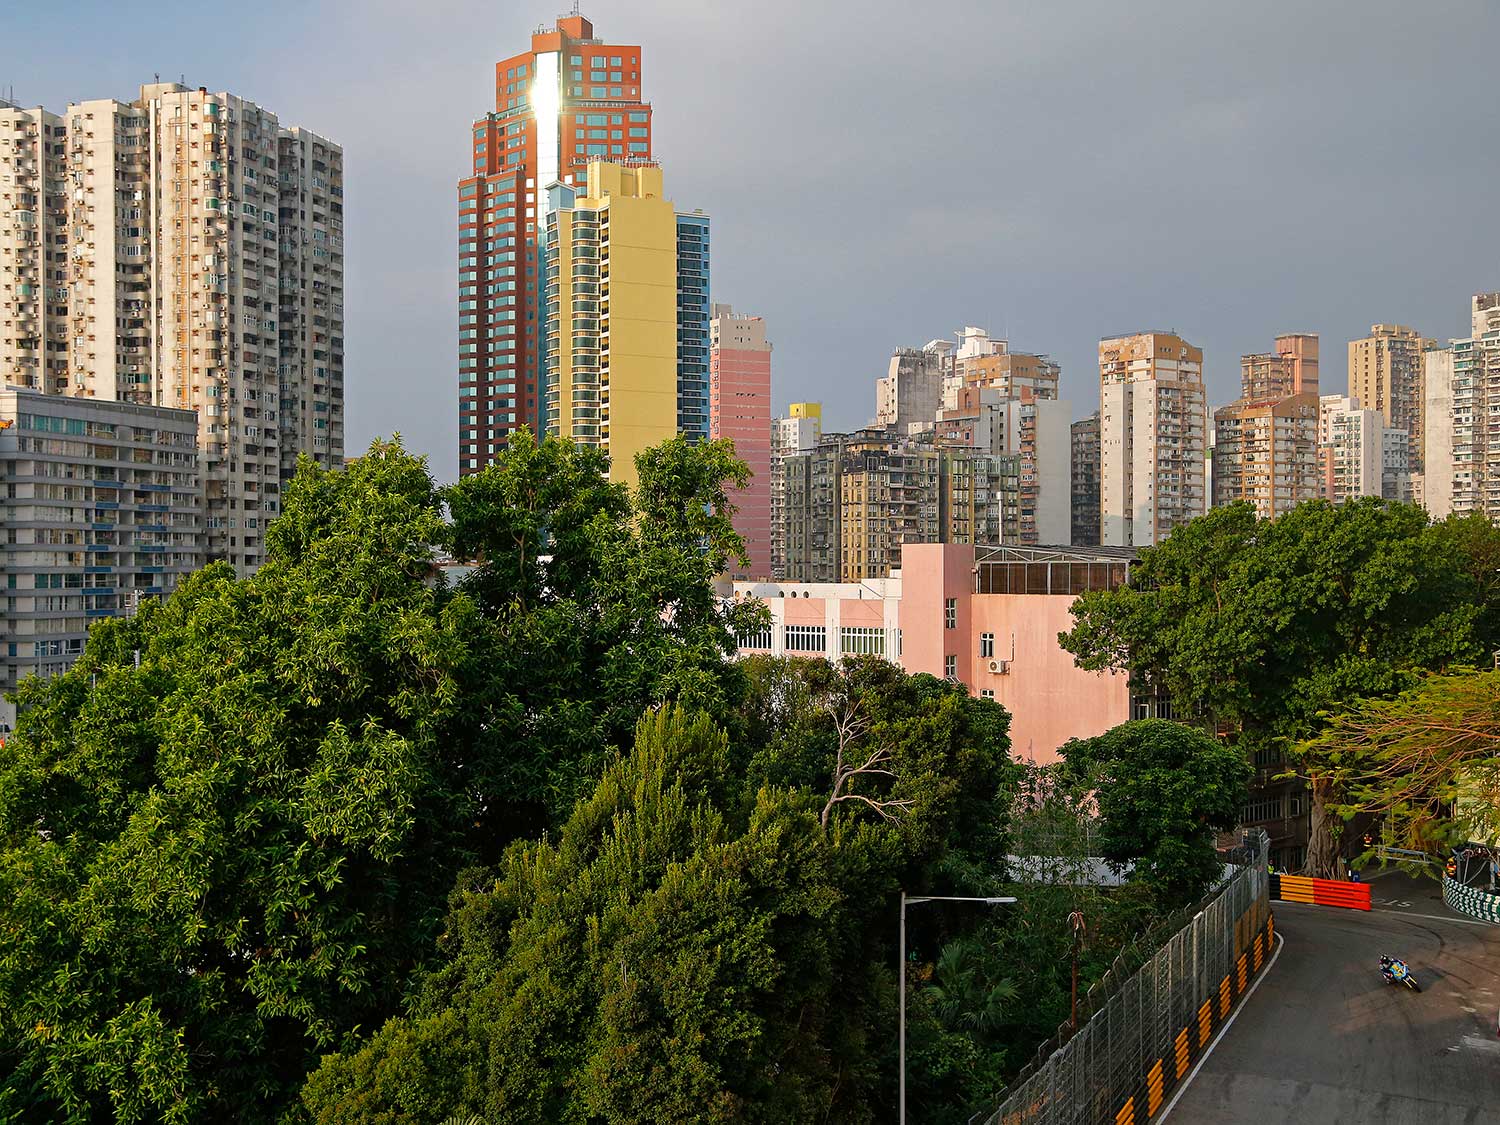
624	278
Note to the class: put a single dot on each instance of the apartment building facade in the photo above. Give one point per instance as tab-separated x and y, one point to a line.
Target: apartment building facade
1266	453
1350	458
1462	437
853	503
34	269
1037	431
570	99
625	315
980	360
799	431
1152	440
1386	370
1084	437
740	410
912	390
101	506
195	253
1265	449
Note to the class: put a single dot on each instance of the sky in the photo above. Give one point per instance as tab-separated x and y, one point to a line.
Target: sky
881	174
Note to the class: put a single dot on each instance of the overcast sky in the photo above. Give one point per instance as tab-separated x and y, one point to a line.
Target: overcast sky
881	173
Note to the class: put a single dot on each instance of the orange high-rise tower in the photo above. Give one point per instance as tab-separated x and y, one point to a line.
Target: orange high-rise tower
570	99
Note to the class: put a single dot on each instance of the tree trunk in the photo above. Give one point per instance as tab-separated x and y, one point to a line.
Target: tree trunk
1323	840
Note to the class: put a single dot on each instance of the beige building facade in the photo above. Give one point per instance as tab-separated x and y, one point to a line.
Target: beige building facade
197	264
1266	443
1386	373
1152	437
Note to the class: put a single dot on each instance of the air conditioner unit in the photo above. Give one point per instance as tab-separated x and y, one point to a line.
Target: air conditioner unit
1000	667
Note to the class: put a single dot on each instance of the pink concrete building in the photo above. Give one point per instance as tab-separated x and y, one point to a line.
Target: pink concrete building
985	616
739	384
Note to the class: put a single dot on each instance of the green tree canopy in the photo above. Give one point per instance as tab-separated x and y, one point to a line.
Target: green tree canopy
221	861
218	862
604	603
1263	626
1427	762
1163	790
696	944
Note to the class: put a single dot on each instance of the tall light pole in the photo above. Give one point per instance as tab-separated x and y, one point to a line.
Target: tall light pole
910	900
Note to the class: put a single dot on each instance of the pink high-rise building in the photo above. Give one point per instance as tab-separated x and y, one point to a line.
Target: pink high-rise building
740	409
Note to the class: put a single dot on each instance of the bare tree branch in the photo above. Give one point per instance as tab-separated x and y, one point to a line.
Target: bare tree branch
852	726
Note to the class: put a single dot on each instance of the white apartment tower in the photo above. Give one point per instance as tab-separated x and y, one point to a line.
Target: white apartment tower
1462	436
197	248
1152	434
33	247
1350	449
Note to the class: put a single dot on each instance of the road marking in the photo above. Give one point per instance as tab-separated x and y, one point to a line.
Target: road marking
1440	918
1182	1089
1474	1043
1401	914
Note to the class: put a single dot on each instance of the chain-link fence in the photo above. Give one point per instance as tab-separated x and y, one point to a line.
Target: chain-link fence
1136	1014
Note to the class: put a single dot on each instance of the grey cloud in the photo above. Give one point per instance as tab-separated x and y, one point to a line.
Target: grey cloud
881	173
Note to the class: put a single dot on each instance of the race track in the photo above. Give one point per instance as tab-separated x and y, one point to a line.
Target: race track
1324	1041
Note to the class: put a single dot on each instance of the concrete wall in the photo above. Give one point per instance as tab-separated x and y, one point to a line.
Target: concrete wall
1437	434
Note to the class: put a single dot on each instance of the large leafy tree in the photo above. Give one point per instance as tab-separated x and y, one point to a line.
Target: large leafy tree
603	601
696	944
228	834
1163	790
1427	762
1259	627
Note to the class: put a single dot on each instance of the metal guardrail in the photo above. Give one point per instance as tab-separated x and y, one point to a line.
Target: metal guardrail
1138	1013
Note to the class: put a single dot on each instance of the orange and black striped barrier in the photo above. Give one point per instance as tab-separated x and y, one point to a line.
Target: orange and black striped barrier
1321	892
1163	1075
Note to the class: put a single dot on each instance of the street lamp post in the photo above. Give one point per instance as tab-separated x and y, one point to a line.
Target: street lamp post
911	900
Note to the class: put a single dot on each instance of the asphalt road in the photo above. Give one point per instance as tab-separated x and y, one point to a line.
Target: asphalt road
1323	1040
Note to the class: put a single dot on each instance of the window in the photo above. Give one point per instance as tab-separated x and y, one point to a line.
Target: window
987	693
950	667
950	613
986	645
760	639
1262	809
805	638
862	640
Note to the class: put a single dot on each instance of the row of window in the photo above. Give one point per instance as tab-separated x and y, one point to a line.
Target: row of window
854	640
1279	807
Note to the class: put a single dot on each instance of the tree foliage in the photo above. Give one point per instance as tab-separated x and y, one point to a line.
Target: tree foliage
1163	790
1261	627
695	945
226	858
603	603
1426	762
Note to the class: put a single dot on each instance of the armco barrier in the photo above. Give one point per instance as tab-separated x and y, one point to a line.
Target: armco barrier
1322	892
1147	1028
1473	901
